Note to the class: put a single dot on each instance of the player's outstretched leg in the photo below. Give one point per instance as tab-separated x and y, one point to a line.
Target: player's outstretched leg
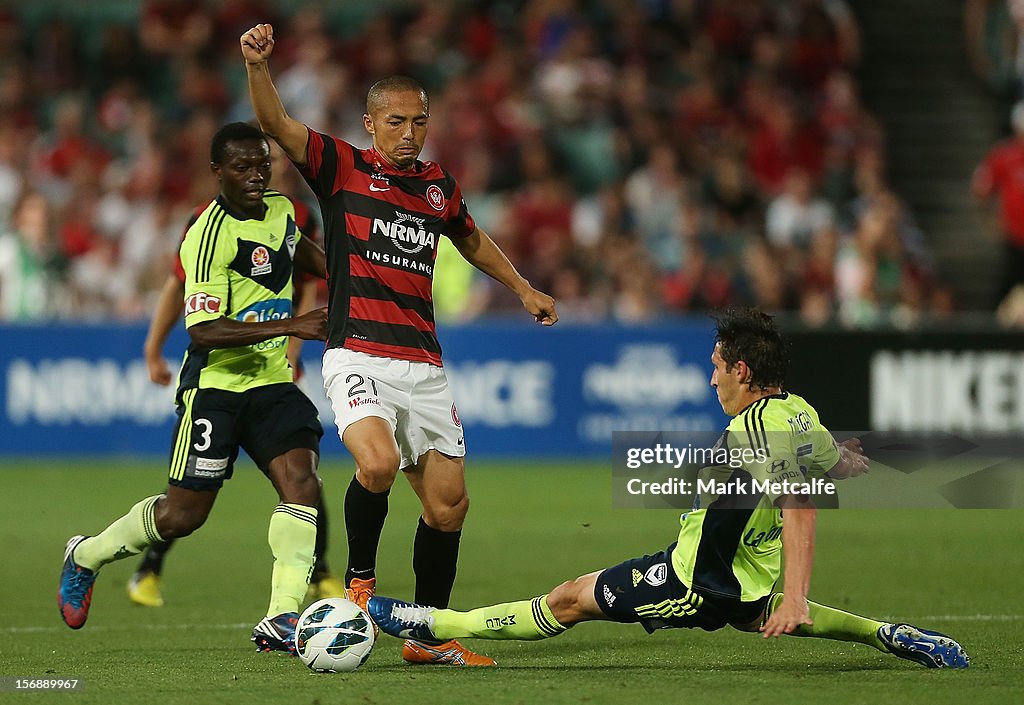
930	649
144	586
84	556
526	620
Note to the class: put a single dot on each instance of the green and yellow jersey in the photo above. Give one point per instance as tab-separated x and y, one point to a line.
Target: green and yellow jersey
239	268
730	545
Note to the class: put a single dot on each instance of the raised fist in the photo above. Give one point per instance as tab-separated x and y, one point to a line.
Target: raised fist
257	43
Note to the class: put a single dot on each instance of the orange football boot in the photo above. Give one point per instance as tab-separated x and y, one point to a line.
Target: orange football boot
450	653
360	591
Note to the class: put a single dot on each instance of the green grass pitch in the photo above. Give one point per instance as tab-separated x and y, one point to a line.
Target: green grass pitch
531	526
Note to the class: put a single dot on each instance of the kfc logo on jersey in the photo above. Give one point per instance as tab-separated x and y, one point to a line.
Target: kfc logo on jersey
261	263
435	197
201	301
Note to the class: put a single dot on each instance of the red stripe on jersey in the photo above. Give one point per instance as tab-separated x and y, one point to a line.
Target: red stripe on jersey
387	312
395	351
398	280
357	226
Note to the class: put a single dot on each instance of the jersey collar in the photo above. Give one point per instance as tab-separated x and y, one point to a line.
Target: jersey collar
383	166
236	214
780	395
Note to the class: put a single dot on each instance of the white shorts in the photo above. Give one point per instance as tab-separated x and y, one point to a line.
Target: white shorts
411	396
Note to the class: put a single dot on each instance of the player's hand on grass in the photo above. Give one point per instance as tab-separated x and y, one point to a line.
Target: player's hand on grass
789	615
854	445
159	372
541	307
311	326
852	461
258	43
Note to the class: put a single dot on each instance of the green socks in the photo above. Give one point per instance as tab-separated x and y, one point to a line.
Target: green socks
526	620
830	623
292	540
128	536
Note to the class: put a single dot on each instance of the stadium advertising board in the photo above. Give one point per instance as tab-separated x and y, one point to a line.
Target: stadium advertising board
966	382
520	389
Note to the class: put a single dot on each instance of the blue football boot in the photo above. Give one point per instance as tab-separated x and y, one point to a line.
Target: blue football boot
930	649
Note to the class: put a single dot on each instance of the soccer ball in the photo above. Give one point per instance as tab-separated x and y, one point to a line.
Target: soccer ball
334	636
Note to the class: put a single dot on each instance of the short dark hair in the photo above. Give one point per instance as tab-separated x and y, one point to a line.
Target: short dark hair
750	335
375	96
232	132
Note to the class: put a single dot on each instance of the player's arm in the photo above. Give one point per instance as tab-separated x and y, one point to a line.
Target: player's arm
799	518
228	333
852	461
310	258
257	46
481	251
169	307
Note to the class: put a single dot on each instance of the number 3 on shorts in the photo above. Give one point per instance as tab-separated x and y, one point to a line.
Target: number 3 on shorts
204	437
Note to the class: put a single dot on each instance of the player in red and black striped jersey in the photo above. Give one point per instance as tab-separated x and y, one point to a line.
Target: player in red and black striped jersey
144	586
384	211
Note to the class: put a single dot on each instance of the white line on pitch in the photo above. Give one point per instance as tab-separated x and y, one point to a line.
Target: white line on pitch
242	625
972	618
111	628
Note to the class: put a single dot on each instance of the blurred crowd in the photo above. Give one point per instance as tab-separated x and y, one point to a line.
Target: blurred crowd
635	158
994	32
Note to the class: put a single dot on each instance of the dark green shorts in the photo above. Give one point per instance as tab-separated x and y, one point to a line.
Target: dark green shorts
646	591
213	424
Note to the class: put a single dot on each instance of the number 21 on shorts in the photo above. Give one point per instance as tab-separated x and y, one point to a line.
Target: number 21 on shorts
361	390
358	385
